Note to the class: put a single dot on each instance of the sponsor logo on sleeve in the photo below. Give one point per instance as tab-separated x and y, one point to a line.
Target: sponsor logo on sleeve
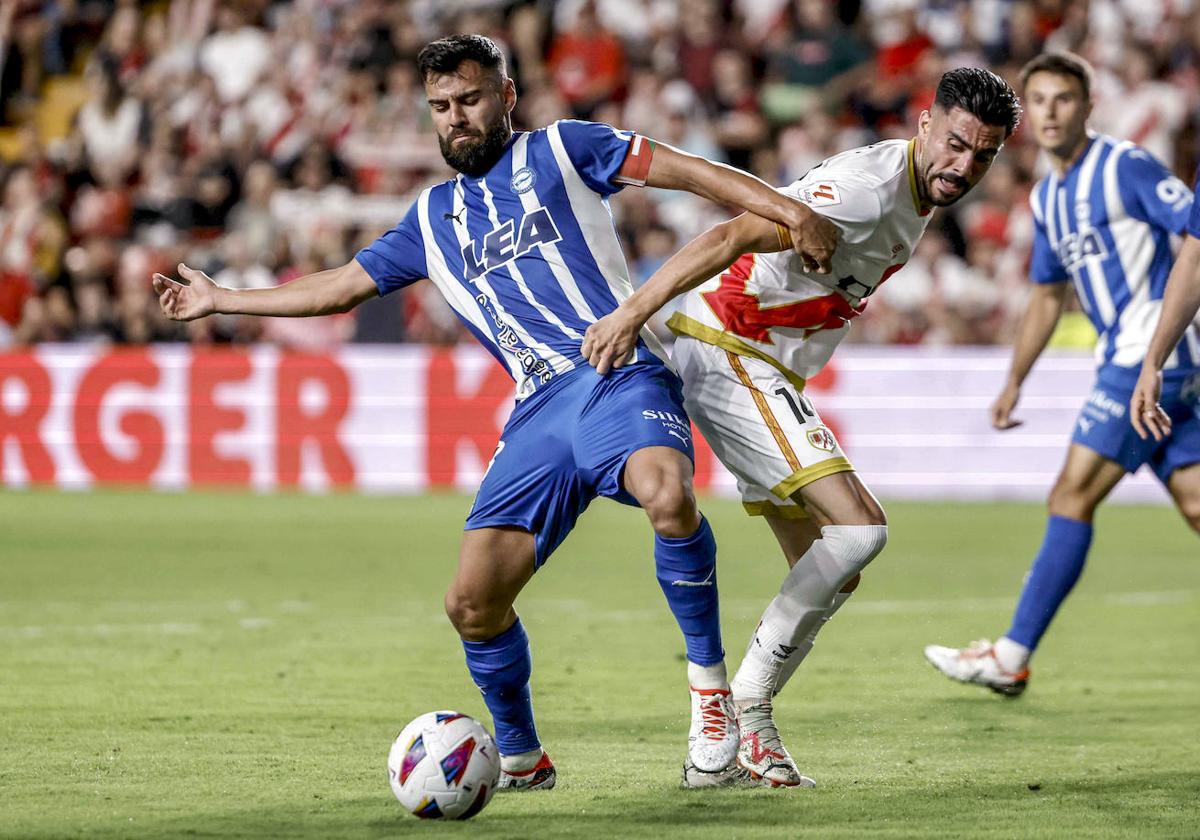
821	195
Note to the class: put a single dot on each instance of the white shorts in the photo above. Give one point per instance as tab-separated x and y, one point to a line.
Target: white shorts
764	431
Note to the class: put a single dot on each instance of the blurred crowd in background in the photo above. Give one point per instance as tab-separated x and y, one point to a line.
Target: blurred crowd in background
261	141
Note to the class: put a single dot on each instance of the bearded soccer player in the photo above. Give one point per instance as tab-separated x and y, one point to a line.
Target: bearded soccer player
759	324
1104	217
522	245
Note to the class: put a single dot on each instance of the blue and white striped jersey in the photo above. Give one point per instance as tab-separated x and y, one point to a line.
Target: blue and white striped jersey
1106	225
527	255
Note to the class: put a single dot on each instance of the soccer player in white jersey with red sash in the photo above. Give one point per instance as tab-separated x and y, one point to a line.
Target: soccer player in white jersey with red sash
757	325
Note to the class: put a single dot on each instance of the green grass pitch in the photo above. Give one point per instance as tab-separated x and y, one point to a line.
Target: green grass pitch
229	665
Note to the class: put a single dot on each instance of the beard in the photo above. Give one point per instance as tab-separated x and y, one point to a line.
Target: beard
945	201
479	153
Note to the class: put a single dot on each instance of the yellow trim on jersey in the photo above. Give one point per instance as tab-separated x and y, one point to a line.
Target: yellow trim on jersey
785	237
910	163
681	324
764	409
782	511
808	475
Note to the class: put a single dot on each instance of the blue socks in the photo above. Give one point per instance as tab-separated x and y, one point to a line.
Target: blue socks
687	572
501	668
1058	565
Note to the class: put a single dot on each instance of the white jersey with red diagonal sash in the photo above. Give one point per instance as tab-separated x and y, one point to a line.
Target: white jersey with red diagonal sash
750	338
768	307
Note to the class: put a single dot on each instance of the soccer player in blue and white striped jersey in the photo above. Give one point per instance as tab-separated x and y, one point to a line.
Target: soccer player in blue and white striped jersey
523	247
1105	216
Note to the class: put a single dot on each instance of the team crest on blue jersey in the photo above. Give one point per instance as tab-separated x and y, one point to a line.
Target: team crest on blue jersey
523	180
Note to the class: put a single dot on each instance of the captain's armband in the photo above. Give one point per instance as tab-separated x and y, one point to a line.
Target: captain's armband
636	167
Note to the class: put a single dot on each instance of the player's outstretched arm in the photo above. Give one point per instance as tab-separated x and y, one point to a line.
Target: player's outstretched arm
1181	301
813	236
1037	325
322	293
609	342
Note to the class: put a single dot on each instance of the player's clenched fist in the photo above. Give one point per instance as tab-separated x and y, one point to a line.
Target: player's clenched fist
608	342
186	301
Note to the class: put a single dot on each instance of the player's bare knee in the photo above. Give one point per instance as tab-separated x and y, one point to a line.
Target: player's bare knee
1071	502
457	610
473	617
668	500
672	510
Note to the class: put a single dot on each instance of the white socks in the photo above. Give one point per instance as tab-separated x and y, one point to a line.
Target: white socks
804	600
707	676
1012	656
803	649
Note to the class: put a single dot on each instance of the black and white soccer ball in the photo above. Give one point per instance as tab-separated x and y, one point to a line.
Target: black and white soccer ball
444	766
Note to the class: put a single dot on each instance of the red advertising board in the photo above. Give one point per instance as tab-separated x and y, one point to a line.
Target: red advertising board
410	418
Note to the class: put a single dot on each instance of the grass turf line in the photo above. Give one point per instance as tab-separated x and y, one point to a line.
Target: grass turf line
237	665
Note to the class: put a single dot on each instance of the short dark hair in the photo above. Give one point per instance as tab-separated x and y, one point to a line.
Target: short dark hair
446	54
1060	63
982	93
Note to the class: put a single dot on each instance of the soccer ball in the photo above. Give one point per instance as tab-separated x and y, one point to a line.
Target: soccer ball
444	766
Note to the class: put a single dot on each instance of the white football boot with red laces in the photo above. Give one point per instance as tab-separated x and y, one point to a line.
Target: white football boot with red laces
761	752
977	664
713	738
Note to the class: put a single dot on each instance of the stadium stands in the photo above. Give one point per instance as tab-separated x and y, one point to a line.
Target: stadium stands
263	140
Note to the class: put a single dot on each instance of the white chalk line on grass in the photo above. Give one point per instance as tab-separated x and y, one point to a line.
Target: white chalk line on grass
577	607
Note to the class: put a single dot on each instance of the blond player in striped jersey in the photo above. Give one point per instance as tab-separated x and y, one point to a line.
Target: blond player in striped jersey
757	325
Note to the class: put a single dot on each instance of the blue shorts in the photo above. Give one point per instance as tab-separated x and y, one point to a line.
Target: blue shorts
568	443
1103	425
